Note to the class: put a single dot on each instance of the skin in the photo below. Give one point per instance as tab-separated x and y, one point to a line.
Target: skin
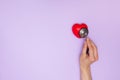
86	60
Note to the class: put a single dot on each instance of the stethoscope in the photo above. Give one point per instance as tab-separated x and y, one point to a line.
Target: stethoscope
80	31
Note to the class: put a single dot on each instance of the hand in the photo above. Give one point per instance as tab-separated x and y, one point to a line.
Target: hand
87	59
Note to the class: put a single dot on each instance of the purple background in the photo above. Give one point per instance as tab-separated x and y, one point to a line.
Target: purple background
36	42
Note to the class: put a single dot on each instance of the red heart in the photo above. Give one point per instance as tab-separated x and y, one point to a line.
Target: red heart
77	27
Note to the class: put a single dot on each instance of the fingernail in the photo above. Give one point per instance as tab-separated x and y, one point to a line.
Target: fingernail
85	43
88	39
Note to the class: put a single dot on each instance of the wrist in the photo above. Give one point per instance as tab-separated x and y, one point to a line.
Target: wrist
85	73
85	68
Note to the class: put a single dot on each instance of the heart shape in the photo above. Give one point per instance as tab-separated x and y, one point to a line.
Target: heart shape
77	27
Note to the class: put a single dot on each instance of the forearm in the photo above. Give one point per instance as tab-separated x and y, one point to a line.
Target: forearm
85	74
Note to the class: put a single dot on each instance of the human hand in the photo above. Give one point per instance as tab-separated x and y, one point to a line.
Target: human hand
86	59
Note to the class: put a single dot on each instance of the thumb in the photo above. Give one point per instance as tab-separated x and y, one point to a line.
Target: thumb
84	48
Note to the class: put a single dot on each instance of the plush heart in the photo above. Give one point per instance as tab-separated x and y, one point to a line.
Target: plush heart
77	27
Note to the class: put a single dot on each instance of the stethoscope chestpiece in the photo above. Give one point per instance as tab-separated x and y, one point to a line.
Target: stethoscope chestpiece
80	30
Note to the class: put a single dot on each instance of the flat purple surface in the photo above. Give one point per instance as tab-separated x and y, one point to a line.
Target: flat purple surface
36	41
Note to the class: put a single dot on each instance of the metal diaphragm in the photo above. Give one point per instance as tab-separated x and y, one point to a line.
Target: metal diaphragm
83	32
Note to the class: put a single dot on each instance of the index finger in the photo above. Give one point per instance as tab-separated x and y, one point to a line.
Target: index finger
95	49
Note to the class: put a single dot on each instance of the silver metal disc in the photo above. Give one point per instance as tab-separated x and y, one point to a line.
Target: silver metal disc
83	32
